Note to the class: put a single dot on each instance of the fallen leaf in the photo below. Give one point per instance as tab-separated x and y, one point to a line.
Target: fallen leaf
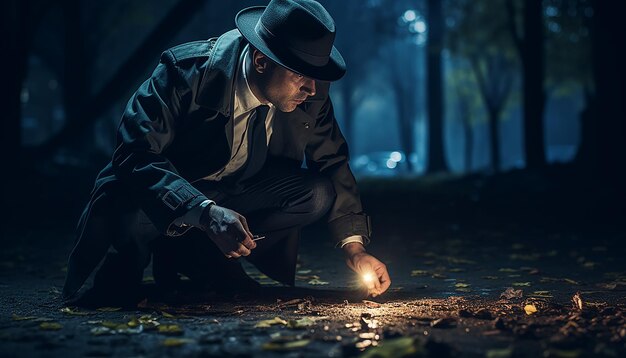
447	322
439	276
530	309
371	304
301	323
317	281
542	294
173	329
50	326
570	281
176	342
417	273
396	347
500	353
72	311
285	346
15	317
562	353
108	309
270	322
462	285
577	301
457	269
511	293
506	269
490	277
521	284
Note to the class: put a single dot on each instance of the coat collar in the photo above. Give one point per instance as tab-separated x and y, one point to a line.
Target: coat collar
216	87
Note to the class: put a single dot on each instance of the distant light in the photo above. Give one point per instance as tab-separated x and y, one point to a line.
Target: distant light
396	156
409	16
391	164
368	277
25	95
419	27
552	11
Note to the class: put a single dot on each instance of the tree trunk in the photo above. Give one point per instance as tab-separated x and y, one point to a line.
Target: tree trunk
494	138
608	37
436	153
534	93
405	123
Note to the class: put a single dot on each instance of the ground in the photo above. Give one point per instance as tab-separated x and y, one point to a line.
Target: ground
514	265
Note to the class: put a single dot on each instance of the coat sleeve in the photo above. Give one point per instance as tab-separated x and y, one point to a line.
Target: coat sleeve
147	128
327	152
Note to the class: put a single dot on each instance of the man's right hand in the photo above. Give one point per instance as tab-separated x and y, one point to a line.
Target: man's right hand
229	231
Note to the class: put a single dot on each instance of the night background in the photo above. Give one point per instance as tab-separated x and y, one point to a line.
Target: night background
488	138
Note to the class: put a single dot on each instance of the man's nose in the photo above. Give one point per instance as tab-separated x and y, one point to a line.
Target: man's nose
309	87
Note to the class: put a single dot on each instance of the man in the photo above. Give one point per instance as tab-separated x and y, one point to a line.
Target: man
210	151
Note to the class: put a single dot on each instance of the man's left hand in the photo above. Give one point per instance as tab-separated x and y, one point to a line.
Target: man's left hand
363	263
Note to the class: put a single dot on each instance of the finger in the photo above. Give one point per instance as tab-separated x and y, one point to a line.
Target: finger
385	280
244	222
242	250
242	234
233	254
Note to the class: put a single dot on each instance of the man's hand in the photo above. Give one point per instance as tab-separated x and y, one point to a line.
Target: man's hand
228	230
363	263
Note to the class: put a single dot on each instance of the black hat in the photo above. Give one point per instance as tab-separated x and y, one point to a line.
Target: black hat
296	34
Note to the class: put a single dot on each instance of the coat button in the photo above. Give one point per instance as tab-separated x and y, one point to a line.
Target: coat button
306	125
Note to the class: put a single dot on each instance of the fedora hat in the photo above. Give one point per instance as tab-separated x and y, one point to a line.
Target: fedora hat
296	34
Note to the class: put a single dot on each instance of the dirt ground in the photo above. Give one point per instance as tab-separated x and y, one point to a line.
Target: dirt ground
475	274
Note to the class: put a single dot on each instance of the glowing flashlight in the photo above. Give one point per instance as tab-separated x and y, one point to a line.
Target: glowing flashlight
368	277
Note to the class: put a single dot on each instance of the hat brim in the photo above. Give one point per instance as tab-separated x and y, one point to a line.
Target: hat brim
246	21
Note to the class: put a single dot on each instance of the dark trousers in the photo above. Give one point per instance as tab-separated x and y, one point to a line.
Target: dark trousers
277	202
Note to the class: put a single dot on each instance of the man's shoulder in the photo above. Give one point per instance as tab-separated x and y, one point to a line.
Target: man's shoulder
194	50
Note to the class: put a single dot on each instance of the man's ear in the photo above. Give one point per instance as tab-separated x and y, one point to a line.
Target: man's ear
260	62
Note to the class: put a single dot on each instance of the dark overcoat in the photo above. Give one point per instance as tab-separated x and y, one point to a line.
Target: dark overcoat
177	129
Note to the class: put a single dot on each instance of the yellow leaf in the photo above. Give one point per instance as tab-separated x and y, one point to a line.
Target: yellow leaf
462	285
500	353
283	346
521	284
168	315
170	329
50	326
300	323
270	322
530	309
176	342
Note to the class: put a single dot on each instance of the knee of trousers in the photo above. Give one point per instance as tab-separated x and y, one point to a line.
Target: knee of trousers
321	197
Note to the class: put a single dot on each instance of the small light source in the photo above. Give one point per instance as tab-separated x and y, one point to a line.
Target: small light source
368	277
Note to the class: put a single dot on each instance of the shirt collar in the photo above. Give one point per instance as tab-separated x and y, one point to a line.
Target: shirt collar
245	100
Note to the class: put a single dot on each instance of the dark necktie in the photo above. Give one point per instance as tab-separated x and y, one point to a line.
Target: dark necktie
257	143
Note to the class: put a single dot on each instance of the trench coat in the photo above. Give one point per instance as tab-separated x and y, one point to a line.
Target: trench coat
177	129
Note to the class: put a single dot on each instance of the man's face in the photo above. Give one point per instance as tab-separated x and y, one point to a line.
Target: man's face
283	88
